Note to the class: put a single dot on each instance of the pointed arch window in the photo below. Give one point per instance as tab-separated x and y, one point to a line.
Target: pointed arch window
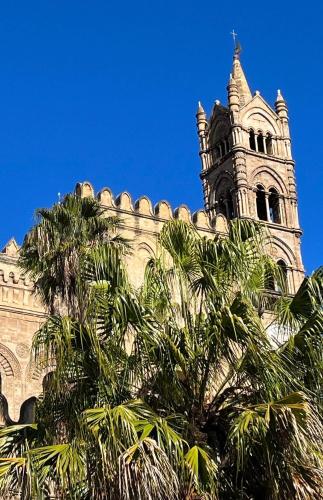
261	203
216	152
252	140
225	205
284	279
230	206
269	280
269	144
274	208
260	143
221	208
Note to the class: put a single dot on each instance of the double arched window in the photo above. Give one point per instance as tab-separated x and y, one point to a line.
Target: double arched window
221	149
261	143
252	140
224	205
268	207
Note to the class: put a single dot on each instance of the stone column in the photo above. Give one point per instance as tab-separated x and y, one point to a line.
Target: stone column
255	200
267	207
282	210
241	184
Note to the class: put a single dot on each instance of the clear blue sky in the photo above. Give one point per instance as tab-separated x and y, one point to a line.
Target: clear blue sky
107	92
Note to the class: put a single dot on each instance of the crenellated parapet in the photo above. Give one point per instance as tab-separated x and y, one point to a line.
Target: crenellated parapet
143	207
16	288
14	277
17	293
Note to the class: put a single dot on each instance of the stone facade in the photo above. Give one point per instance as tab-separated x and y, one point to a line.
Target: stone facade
20	316
247	171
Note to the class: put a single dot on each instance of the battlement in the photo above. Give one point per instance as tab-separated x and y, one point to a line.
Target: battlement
143	207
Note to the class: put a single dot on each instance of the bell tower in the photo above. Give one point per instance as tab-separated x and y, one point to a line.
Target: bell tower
248	170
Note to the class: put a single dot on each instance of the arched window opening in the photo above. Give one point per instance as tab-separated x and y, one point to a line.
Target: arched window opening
212	199
230	207
269	144
283	269
261	203
269	280
260	143
252	140
221	208
274	211
225	205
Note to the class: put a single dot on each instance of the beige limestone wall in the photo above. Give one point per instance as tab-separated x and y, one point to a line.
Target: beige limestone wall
21	313
20	316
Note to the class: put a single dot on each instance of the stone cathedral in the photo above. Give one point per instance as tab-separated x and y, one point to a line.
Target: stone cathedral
247	172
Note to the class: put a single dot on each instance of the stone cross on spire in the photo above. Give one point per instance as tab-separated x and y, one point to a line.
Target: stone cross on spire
234	36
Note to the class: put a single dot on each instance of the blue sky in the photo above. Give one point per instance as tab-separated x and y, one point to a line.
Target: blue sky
107	92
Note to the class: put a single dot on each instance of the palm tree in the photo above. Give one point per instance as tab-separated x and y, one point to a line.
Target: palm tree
175	390
54	249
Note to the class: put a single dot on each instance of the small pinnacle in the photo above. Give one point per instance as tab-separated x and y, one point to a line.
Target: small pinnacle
279	96
200	108
257	92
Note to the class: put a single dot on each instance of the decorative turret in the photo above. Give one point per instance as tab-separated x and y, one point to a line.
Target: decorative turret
201	123
201	120
281	106
282	112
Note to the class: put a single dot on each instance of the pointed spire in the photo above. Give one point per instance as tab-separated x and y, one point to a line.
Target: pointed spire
201	119
280	105
200	109
240	79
